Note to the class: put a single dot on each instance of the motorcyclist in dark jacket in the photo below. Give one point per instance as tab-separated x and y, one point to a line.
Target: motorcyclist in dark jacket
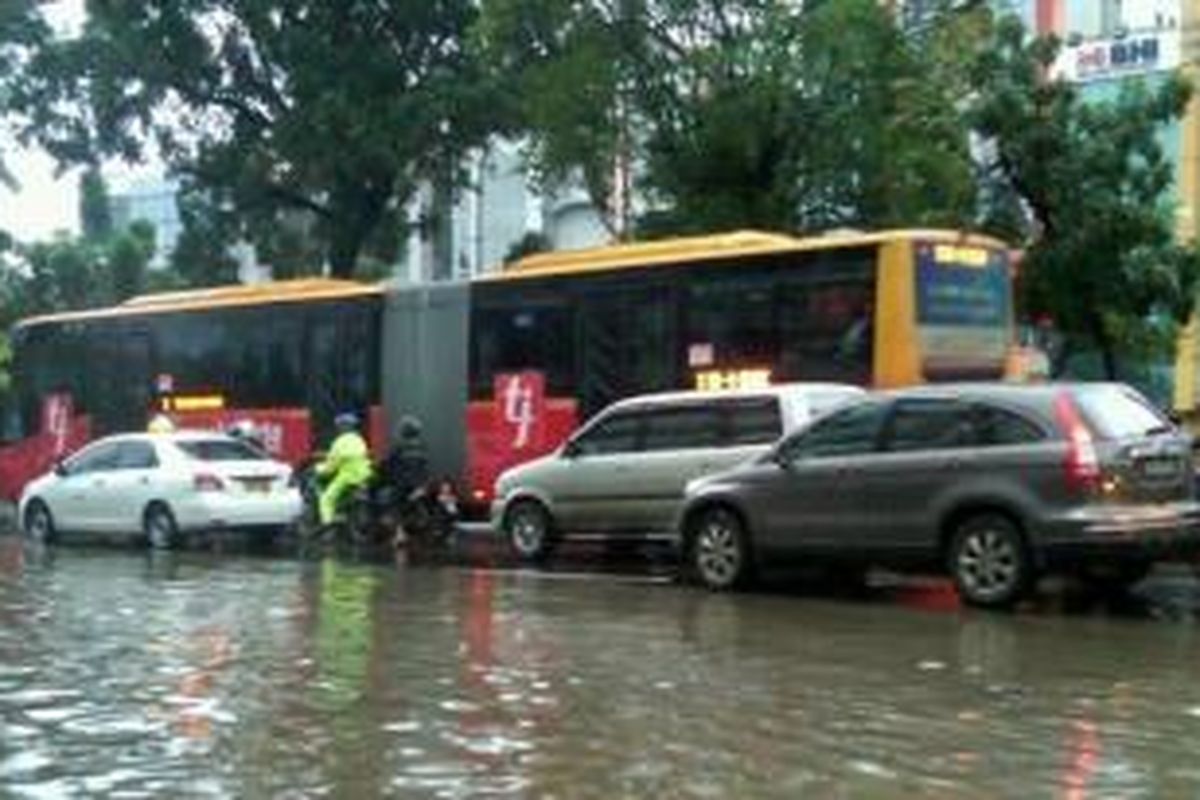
406	466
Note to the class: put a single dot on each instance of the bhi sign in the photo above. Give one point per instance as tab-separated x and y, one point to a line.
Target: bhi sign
1105	59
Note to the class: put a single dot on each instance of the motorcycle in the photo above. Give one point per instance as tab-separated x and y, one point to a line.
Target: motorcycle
353	520
430	514
383	514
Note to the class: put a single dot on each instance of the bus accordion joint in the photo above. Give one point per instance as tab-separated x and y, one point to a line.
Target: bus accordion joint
710	380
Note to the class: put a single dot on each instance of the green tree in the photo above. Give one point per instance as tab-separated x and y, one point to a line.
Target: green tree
95	211
64	274
531	243
202	252
331	111
22	32
1102	259
744	112
127	258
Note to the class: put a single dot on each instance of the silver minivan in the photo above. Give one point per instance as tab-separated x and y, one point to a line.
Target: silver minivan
622	475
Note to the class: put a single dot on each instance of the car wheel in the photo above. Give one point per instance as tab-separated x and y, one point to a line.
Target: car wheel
39	524
989	561
530	530
719	550
159	526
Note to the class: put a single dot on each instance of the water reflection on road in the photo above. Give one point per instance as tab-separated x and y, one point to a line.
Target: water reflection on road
122	673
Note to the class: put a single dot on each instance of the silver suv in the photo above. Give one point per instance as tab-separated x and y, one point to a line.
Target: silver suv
622	475
996	484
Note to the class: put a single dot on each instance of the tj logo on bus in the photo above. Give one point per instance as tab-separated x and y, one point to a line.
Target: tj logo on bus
520	397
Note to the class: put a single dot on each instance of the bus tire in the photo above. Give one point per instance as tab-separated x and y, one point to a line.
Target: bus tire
529	529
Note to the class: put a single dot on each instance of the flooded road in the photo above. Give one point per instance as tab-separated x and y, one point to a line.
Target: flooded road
129	675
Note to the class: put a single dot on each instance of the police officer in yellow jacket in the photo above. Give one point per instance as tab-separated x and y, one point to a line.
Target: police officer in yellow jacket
347	465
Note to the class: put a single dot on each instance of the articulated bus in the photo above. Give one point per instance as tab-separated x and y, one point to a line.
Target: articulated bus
501	369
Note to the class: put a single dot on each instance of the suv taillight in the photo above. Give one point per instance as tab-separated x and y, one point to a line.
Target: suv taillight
207	482
1082	465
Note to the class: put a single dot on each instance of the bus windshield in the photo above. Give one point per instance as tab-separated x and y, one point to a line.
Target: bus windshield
964	310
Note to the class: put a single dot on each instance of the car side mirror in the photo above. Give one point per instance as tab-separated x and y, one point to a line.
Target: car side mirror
60	469
570	449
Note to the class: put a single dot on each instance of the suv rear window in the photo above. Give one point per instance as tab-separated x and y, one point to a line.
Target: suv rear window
220	450
1117	412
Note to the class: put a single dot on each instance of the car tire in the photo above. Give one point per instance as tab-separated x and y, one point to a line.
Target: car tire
719	554
530	530
989	561
39	522
158	525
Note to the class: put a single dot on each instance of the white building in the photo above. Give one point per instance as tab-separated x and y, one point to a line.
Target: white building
470	231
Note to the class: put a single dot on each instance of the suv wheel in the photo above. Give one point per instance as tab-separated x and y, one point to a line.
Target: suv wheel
719	550
530	530
989	561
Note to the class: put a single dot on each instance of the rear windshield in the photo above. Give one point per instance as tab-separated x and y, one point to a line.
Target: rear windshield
1117	412
220	450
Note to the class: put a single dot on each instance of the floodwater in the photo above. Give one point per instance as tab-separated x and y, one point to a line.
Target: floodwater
124	674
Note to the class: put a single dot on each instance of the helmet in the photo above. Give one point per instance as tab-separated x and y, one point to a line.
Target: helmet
161	423
346	421
409	427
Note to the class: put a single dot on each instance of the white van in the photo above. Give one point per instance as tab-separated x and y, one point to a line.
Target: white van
622	474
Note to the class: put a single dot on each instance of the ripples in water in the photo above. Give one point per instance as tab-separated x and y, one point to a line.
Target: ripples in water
127	676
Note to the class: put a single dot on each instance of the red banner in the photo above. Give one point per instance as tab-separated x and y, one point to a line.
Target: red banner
30	458
519	424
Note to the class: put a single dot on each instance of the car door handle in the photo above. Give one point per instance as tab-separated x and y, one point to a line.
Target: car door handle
144	481
98	484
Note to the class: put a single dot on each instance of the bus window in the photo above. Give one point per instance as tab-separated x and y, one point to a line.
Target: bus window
626	343
826	320
735	316
516	337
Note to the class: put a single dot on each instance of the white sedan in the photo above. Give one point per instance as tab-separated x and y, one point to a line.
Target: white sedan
161	485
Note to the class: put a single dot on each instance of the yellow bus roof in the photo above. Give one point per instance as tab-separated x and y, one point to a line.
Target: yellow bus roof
714	247
559	263
289	291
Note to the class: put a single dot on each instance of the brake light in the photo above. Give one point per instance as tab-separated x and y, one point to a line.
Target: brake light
207	482
1082	465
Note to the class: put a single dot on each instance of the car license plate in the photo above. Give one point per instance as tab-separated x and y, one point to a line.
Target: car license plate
262	486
